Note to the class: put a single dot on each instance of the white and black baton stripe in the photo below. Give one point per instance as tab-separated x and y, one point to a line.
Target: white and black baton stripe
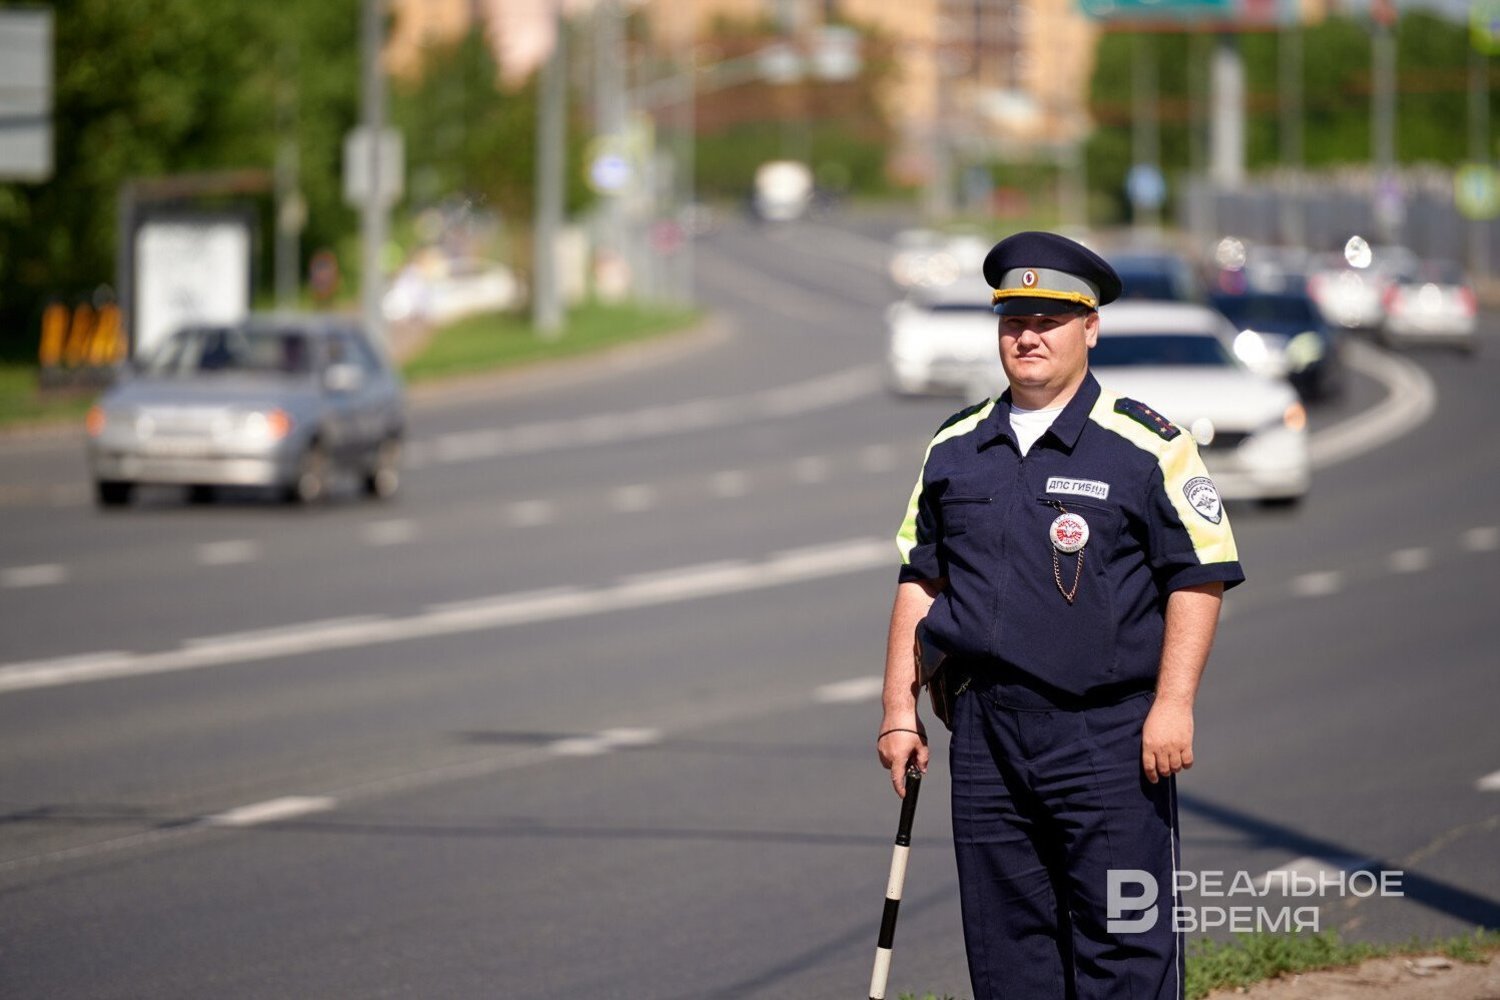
896	884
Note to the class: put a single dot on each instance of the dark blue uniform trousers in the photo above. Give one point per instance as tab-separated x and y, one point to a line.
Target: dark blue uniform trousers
1048	797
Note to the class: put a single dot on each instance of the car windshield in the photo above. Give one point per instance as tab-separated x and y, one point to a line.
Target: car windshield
1269	313
1159	349
204	350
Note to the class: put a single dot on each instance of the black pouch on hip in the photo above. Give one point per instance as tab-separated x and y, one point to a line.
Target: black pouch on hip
937	676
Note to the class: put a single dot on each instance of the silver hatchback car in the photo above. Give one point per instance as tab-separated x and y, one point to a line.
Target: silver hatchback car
277	401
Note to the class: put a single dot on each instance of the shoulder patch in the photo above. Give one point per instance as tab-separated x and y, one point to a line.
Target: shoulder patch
1143	414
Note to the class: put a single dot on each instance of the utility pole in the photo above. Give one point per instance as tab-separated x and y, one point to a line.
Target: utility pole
291	209
376	206
1479	153
1387	207
546	306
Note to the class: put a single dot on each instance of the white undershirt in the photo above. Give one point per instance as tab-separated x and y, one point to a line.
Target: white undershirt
1028	425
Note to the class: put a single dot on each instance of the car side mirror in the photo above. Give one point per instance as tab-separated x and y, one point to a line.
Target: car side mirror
343	377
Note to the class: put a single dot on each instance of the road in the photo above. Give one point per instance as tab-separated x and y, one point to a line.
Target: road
589	709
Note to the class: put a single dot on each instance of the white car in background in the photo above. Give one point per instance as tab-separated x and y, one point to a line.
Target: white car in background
1433	303
943	340
1176	358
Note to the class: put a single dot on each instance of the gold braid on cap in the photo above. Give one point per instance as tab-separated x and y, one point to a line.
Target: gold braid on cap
1043	293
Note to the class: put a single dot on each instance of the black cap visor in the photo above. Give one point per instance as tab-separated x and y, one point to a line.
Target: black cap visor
1021	305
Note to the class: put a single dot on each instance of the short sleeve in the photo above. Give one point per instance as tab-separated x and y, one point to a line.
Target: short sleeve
917	539
1190	539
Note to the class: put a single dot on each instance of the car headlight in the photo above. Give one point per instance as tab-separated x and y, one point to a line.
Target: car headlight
266	426
1251	348
1304	350
96	421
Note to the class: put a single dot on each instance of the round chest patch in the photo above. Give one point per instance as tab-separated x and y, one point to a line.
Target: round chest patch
1069	533
1028	278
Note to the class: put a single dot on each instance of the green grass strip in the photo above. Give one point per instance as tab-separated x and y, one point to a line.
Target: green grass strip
1253	958
501	340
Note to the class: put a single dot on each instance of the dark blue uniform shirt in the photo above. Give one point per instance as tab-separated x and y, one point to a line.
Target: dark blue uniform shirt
981	517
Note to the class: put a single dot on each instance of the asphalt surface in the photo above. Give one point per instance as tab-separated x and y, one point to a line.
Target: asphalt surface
589	709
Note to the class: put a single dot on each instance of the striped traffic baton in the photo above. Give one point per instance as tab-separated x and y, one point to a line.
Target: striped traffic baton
895	885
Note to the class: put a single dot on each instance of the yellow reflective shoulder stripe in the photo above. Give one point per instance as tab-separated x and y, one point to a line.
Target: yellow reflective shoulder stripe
906	538
1179	462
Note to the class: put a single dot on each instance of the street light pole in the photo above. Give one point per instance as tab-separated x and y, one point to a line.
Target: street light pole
546	306
373	211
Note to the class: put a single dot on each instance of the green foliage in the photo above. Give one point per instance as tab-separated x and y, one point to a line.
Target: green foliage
467	136
157	87
1432	94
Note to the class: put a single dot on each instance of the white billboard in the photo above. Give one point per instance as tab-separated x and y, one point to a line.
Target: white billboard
189	270
25	95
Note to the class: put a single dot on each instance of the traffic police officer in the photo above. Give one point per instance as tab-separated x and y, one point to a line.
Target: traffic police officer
1067	552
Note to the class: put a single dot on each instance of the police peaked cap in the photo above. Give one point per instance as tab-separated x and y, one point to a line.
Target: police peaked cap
1039	274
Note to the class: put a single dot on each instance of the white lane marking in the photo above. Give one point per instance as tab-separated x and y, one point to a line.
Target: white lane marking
42	575
228	553
1489	783
1411	398
877	458
731	483
394	532
271	811
1318	584
821	393
279	633
853	690
810	469
1315	867
531	513
633	499
501	611
1486	539
1413	560
604	742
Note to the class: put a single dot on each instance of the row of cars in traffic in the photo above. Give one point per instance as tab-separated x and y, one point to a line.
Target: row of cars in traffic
1232	351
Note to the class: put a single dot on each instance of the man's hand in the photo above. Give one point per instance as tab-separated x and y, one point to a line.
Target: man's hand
900	747
1167	740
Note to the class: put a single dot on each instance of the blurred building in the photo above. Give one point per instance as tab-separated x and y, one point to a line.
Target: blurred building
976	79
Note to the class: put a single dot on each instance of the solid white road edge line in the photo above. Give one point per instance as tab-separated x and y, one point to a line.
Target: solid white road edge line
1489	783
501	611
1410	399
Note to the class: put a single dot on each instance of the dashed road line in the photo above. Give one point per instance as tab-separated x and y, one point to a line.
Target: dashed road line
810	469
1320	584
272	811
530	513
41	575
228	553
393	532
1413	560
1485	539
633	499
730	483
856	689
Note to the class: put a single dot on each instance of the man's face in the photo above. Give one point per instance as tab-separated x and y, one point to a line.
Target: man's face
1047	352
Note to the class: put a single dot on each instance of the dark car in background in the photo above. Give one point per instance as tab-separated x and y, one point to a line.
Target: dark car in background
284	402
1154	275
1285	334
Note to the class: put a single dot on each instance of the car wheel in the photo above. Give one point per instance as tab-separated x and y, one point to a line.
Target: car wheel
311	483
200	493
383	478
111	493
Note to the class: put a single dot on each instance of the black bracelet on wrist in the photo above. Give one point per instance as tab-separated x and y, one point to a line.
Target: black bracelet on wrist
898	729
